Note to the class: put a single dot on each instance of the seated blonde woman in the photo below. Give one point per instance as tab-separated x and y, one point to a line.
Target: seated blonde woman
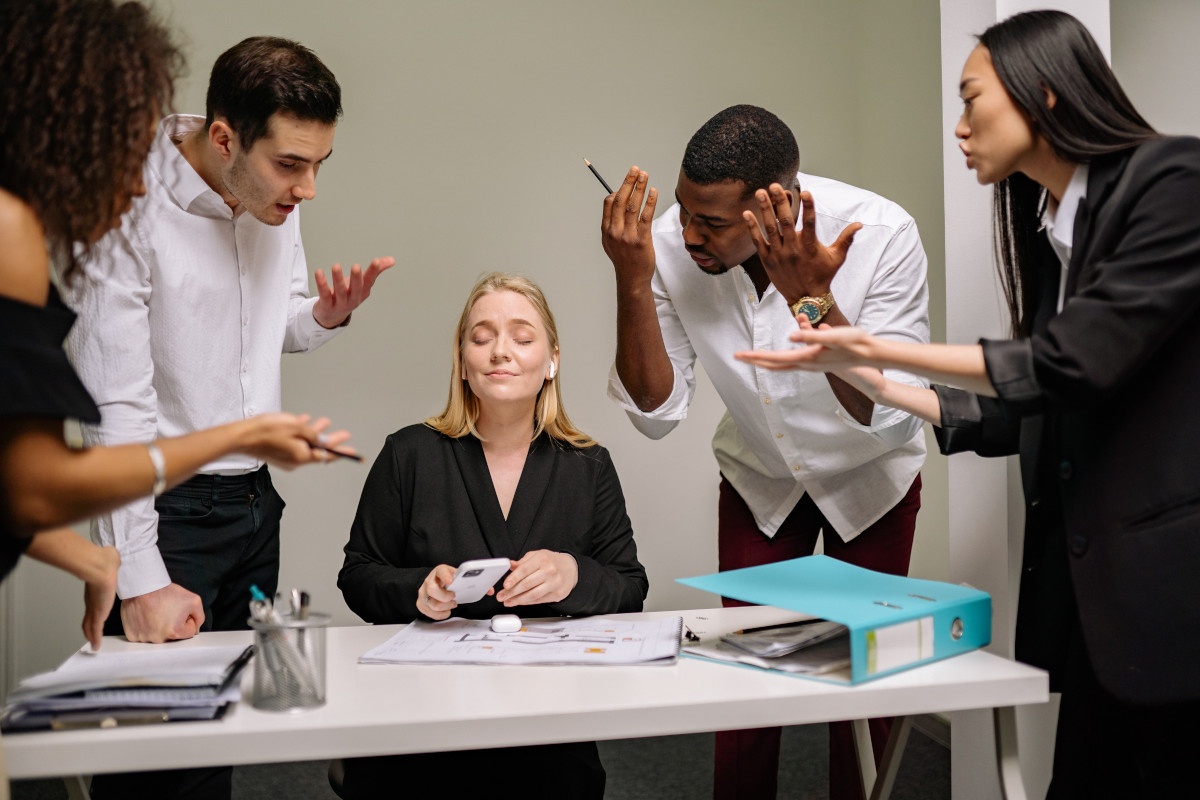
501	473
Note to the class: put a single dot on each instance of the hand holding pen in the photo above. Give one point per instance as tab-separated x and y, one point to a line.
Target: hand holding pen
625	229
323	445
603	182
289	440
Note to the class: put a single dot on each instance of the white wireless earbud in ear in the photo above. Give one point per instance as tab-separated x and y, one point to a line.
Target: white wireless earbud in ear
553	370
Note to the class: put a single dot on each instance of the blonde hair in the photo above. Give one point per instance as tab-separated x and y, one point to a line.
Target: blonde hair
462	406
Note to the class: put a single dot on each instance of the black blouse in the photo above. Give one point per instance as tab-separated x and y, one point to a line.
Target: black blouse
429	500
36	380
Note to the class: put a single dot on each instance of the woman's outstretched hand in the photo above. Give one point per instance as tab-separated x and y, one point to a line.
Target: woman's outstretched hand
830	349
288	441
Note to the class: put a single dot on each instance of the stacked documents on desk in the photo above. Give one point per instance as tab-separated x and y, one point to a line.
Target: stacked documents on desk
588	640
814	647
893	623
108	689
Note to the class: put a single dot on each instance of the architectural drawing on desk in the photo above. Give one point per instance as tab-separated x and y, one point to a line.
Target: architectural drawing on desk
575	641
545	634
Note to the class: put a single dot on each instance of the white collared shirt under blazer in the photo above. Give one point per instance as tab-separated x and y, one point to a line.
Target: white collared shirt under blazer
184	313
784	433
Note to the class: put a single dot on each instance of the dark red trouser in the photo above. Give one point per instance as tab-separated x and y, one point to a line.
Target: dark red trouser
747	762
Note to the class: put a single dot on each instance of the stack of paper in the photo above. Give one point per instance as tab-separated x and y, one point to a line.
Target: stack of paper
110	689
814	647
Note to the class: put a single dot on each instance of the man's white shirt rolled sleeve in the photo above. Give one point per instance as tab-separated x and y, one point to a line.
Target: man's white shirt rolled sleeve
303	332
785	433
184	312
119	373
660	421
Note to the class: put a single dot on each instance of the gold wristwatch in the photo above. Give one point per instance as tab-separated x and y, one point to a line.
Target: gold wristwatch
815	308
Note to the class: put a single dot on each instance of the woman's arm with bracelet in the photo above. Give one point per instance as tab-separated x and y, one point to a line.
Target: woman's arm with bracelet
916	400
45	484
95	566
834	349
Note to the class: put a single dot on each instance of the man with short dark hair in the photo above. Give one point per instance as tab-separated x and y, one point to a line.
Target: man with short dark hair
184	313
725	270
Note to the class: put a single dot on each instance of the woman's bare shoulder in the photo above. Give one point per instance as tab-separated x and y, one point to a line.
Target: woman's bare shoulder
24	265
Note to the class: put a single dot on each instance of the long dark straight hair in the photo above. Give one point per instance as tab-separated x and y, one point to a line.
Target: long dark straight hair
1091	117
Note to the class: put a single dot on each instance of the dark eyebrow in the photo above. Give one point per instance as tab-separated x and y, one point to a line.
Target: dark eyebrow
964	83
302	159
705	217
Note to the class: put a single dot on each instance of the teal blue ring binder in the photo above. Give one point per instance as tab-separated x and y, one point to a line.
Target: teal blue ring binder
895	622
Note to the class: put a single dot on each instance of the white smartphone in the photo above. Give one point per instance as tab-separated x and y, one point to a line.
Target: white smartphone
473	578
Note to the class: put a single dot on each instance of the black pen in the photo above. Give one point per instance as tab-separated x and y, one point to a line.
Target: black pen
234	669
603	182
338	453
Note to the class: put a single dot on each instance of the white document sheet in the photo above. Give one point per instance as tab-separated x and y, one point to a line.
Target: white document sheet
589	640
166	666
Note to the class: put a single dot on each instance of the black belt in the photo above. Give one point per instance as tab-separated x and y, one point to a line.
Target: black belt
221	487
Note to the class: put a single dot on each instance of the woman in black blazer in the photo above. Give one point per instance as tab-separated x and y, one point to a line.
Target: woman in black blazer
501	473
1100	250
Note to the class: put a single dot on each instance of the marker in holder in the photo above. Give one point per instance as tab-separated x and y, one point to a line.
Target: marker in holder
289	666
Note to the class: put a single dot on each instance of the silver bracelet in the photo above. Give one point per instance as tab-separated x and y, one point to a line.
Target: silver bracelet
160	469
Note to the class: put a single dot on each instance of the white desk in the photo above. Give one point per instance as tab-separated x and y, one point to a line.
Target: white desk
381	709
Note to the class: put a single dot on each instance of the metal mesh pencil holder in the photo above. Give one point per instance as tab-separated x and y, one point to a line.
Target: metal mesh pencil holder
289	663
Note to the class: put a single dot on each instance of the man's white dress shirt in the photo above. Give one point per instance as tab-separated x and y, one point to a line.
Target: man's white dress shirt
184	312
784	433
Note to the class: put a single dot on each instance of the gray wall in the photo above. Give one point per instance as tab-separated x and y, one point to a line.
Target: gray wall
461	151
1155	56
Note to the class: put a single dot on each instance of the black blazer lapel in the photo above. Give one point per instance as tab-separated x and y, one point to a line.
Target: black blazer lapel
1081	234
535	478
473	465
1103	174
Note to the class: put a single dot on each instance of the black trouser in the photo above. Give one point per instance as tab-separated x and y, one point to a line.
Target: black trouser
218	535
569	770
1106	748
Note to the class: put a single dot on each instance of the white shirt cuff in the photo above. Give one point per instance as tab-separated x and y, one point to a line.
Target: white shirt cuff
309	333
674	408
141	573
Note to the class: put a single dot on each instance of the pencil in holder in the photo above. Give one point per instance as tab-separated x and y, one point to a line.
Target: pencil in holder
289	662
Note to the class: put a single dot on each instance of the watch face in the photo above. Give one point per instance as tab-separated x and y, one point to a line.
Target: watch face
810	310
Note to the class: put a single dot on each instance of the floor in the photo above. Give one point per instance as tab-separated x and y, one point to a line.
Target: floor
662	768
